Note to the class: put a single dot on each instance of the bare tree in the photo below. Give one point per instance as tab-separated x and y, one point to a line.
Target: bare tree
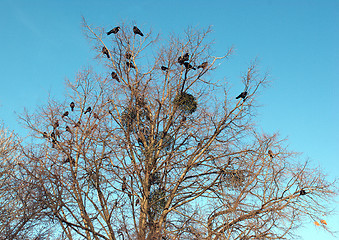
155	148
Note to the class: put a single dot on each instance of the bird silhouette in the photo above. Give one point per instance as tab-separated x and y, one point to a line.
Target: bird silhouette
65	114
270	153
164	68
68	129
56	124
130	65
89	109
242	95
115	76
188	66
186	57
45	135
72	105
302	192
105	51
128	55
114	31
203	65
137	31
181	60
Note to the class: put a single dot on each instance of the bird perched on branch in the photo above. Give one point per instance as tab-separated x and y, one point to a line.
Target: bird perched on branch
186	57
164	68
137	31
130	65
128	55
114	31
72	105
270	153
105	51
302	192
89	109
56	124
45	135
242	95
65	114
203	65
115	76
188	66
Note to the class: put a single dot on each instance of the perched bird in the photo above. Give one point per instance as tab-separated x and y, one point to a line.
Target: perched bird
164	68
323	222
130	65
123	186
105	51
302	192
45	135
72	105
128	55
56	124
115	76
65	114
270	153
181	60
89	109
242	95
114	31
186	57
316	223
203	65
68	129
137	202
188	66
137	31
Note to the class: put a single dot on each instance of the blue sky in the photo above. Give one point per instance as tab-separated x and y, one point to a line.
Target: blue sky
42	43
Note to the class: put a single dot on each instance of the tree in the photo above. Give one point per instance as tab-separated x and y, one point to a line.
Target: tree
164	151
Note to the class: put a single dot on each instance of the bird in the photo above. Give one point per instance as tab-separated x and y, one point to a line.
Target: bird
114	30
137	202
186	57
181	60
242	95
188	66
137	31
203	65
115	76
65	114
130	65
270	153
89	109
128	55
164	68
68	129
56	124
72	105
323	222
45	135
123	186
316	223
105	51
302	192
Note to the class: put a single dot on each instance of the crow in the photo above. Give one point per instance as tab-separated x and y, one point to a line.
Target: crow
56	124
181	60
115	76
203	65
89	109
188	66
105	51
72	105
128	55
137	31
302	192
114	31
270	153
242	95
130	65
164	68
45	135
185	57
65	114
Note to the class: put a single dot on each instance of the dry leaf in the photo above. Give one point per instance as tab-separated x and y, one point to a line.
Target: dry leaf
323	222
316	223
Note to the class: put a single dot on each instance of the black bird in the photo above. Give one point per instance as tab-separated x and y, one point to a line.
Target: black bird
72	105
45	135
137	202
302	192
65	114
185	57
164	68
181	60
114	31
114	75
105	51
130	65
89	109
270	153
188	66
203	65
137	31
242	95
128	55
68	129
56	124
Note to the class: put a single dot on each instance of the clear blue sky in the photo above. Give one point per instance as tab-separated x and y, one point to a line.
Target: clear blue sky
42	43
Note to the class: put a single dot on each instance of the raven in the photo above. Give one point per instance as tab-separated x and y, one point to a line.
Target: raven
65	114
130	65
164	68
114	31
89	109
105	51
185	57
242	95
188	66
128	55
302	192
115	76
137	31
181	60
72	105
203	65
